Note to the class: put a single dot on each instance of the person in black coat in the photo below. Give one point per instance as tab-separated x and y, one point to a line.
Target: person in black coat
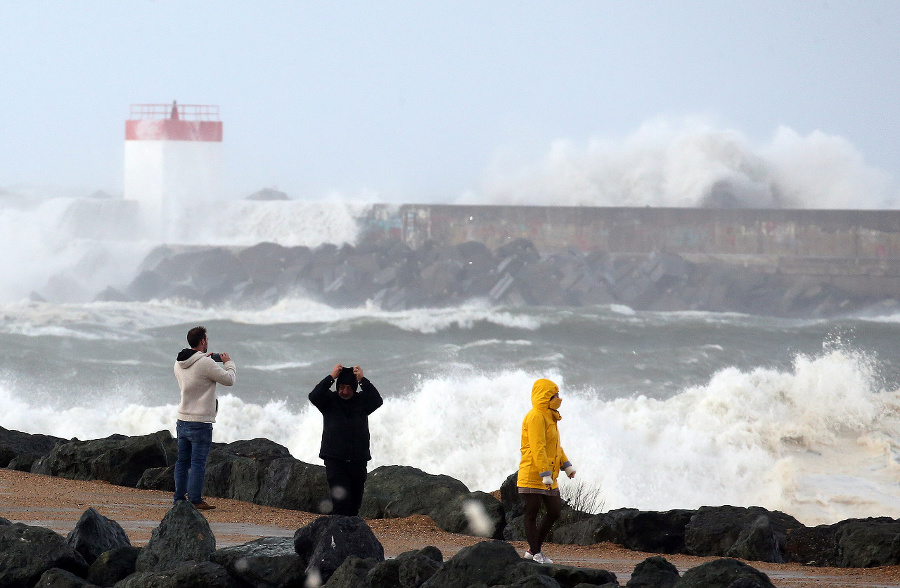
345	434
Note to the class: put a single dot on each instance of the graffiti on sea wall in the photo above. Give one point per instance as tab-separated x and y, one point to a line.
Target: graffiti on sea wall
847	234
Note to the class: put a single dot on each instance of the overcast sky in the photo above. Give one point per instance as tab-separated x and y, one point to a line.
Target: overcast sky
415	101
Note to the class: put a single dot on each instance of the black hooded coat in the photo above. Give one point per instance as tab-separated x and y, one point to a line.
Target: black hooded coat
345	428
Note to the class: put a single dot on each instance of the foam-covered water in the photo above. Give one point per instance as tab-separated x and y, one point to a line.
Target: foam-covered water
662	410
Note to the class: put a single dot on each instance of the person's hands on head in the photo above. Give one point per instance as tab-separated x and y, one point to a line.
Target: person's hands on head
357	371
336	371
570	471
547	480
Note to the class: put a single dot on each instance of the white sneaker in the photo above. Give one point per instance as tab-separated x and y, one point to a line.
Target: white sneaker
541	558
528	555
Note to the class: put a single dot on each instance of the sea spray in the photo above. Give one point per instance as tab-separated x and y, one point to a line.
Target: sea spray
815	441
65	250
762	437
691	162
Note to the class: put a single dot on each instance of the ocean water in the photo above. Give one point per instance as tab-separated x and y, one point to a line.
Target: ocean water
660	410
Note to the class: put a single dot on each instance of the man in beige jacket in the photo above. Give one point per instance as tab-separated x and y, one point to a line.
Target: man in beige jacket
197	372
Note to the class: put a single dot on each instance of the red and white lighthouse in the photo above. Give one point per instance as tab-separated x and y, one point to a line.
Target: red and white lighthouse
173	158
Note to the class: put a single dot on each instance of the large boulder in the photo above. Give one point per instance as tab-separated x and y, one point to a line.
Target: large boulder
94	534
512	502
654	572
291	483
486	562
237	470
57	578
26	552
326	542
264	262
868	542
187	575
656	532
752	533
410	569
475	513
401	491
539	581
116	459
521	249
564	576
162	479
849	543
183	536
269	562
608	526
23	447
214	274
418	567
351	573
147	285
723	573
113	565
812	546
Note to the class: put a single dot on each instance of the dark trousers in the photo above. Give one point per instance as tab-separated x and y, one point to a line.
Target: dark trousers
536	533
346	480
194	442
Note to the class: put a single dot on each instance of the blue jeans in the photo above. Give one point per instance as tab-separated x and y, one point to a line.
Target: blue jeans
194	441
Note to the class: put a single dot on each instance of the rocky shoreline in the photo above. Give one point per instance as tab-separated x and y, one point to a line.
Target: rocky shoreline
262	472
333	551
392	276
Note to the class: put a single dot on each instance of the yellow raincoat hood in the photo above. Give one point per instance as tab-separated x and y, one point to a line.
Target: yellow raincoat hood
541	393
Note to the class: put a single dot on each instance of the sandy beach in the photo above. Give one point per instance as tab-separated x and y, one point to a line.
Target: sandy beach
57	503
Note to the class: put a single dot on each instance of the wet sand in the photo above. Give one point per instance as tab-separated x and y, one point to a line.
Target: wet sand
58	503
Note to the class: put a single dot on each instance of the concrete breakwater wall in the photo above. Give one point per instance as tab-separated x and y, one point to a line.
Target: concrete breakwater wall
739	254
829	234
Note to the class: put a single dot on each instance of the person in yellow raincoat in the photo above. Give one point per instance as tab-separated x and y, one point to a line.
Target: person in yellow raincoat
542	459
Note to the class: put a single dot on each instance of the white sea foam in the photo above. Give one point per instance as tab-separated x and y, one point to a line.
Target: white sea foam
275	367
770	438
692	162
120	321
126	321
495	342
892	318
817	442
420	320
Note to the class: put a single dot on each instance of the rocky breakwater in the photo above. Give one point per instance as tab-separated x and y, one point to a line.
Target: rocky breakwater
332	551
750	533
393	276
258	471
263	472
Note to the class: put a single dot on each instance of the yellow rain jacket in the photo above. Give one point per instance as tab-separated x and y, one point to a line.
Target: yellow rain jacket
542	454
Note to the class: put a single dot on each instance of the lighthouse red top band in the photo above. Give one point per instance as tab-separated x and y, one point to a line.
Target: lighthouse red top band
173	122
